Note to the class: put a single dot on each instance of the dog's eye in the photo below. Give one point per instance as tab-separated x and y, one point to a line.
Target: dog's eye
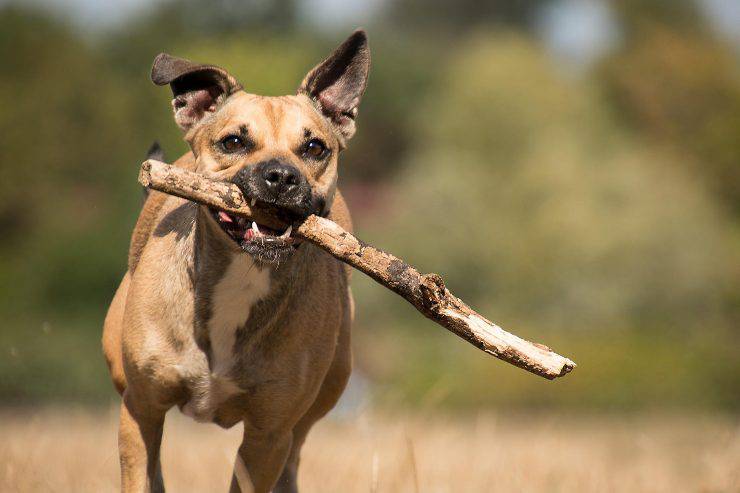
233	143
315	149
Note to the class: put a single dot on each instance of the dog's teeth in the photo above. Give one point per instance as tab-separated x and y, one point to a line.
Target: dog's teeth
287	232
254	201
255	227
224	217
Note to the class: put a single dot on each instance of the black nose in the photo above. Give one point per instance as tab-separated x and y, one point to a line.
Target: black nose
281	178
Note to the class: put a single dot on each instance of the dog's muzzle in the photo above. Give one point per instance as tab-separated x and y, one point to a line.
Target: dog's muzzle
275	186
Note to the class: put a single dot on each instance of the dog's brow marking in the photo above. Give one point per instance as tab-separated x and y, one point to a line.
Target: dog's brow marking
270	114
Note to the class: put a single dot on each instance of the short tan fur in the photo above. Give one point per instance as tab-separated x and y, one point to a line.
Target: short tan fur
220	326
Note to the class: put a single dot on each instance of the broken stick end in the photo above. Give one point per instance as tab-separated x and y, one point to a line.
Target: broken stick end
567	367
145	174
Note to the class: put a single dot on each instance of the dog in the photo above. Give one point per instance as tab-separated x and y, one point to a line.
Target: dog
228	319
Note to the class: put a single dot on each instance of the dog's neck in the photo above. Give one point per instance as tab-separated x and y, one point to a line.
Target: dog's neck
231	289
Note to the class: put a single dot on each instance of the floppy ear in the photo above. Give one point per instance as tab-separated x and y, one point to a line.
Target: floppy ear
196	88
337	83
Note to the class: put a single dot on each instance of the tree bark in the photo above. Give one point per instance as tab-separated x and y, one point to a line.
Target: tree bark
426	292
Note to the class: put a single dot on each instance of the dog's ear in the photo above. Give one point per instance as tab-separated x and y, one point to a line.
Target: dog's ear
337	83
196	88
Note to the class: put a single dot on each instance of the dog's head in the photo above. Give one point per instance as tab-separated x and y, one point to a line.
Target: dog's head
282	151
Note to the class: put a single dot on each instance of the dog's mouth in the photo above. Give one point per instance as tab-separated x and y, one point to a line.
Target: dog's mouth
264	243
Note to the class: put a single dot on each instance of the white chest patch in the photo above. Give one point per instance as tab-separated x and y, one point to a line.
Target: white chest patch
242	285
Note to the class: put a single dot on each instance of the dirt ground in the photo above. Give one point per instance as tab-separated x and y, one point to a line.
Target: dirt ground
74	450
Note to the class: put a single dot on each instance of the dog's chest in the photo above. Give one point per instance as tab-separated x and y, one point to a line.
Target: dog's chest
234	295
241	286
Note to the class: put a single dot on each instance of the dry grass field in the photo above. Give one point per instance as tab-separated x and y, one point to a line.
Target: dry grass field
74	450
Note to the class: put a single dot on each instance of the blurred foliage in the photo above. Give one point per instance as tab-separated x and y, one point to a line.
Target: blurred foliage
691	102
532	202
636	15
444	15
598	214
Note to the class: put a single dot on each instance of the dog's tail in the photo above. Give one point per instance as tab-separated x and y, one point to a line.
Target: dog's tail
155	152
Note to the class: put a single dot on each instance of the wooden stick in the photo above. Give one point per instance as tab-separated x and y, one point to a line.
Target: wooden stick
426	292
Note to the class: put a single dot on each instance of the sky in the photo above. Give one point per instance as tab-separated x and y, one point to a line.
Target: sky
578	31
725	16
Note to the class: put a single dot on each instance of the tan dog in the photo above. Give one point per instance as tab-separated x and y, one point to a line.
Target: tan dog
228	320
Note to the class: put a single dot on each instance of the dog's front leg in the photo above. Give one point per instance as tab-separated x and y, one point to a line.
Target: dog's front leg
139	439
260	461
